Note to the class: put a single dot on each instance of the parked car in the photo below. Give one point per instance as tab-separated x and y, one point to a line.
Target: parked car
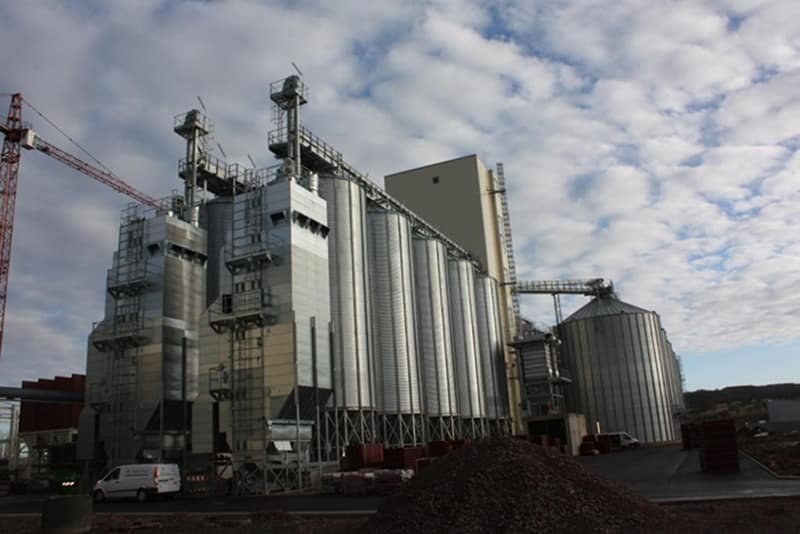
623	440
140	481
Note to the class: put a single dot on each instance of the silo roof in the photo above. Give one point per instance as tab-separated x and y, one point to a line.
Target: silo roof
605	305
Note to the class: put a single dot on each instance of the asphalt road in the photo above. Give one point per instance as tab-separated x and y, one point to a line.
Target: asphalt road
321	504
670	473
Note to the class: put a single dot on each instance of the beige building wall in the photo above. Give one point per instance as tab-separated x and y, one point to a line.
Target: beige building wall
458	197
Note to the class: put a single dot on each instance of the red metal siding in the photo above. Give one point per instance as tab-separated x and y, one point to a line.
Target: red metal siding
37	416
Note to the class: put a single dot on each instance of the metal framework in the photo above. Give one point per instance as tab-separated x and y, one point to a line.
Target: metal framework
101	176
511	274
9	173
590	287
245	315
320	157
442	428
402	429
342	427
17	135
123	338
9	441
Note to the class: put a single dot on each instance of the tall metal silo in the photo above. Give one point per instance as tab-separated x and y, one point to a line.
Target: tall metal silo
490	345
673	382
469	379
678	377
394	328
435	337
353	373
619	381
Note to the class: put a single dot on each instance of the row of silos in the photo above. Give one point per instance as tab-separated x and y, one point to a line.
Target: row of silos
625	375
416	331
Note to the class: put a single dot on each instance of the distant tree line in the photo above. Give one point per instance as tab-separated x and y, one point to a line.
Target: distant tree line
704	399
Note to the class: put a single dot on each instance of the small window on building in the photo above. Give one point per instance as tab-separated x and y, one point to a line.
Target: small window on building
436	179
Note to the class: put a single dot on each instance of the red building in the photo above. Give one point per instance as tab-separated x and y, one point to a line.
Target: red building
39	416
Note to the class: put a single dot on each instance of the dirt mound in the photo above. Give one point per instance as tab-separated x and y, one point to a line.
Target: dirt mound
511	485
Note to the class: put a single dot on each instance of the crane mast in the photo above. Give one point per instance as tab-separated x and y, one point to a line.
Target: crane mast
17	136
9	172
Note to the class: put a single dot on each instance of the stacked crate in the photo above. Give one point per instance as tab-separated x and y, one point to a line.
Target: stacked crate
403	457
364	455
719	452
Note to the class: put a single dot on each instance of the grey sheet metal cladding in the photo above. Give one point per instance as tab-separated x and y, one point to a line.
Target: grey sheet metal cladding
490	344
618	366
393	318
435	335
183	282
469	381
215	217
353	375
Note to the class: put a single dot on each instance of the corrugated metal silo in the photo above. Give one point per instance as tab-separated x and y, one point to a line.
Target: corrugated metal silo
490	344
393	320
469	381
614	352
435	336
353	374
671	372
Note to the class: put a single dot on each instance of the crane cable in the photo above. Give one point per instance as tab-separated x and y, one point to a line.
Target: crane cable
70	139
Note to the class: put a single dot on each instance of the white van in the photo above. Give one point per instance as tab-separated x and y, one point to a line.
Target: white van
624	440
140	481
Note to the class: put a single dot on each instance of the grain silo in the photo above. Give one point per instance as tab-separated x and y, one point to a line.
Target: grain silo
435	337
469	380
618	364
353	373
394	329
491	350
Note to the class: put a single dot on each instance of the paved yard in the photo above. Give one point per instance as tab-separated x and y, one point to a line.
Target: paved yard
667	473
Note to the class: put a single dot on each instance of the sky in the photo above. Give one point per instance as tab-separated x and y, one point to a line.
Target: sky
654	143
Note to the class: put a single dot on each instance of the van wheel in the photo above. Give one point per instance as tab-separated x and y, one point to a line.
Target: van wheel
99	496
141	495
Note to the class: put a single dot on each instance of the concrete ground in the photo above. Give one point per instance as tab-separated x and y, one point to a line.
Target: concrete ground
670	474
662	474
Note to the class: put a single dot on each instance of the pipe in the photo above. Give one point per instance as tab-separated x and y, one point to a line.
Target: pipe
40	395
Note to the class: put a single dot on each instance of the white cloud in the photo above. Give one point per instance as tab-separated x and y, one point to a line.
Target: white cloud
679	119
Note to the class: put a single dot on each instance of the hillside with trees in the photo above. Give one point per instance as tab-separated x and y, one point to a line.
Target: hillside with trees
705	399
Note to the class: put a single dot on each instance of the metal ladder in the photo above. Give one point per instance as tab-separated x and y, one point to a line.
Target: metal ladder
247	256
129	275
511	276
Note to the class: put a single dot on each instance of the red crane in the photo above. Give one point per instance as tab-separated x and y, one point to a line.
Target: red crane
17	135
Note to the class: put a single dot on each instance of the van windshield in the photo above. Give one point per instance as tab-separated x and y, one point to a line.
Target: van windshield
113	475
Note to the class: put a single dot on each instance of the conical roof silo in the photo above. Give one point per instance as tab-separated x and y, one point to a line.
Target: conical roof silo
618	365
